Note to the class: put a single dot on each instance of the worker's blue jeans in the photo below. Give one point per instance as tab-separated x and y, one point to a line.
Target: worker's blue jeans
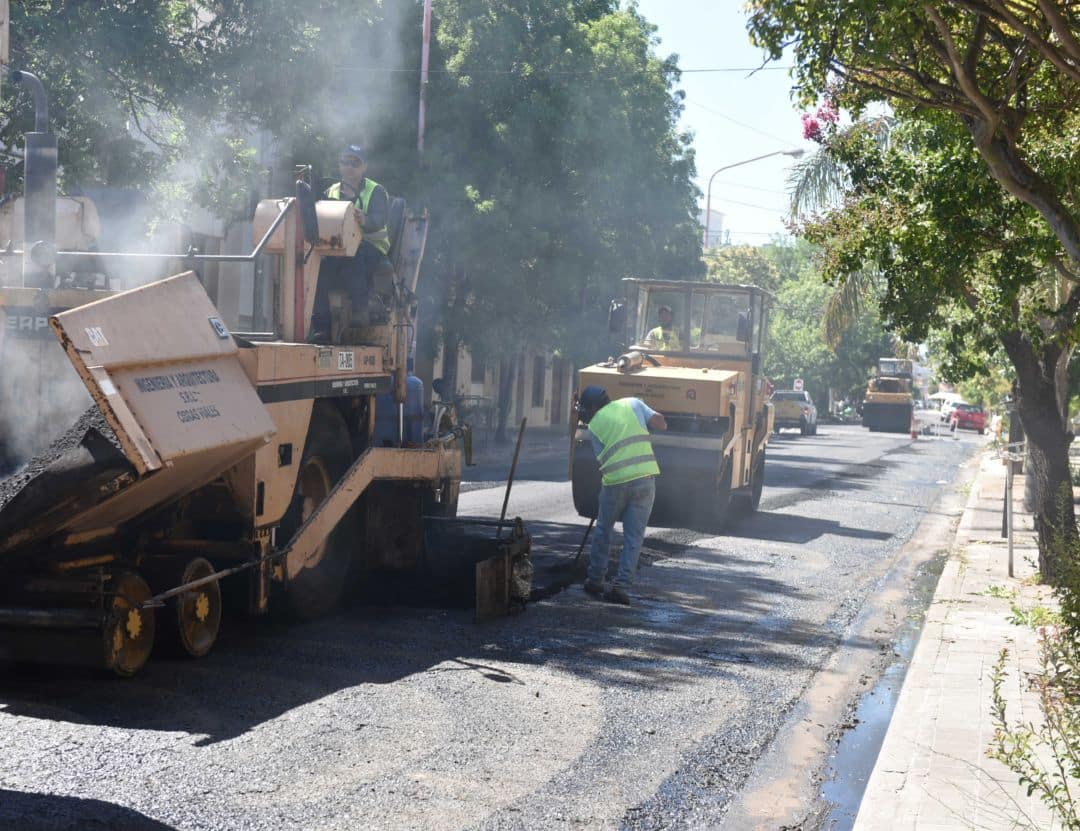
631	502
352	275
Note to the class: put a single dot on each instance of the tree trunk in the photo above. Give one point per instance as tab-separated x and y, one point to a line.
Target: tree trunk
507	368
454	298
1048	451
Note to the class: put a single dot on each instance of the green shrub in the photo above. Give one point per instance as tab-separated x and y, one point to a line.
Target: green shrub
1020	746
1046	756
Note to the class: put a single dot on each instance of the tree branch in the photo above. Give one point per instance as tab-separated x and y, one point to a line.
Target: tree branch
1061	28
965	81
1067	63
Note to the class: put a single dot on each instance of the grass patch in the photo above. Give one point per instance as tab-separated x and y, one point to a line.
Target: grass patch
1000	592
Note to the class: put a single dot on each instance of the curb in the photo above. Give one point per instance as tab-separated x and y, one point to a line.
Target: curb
932	771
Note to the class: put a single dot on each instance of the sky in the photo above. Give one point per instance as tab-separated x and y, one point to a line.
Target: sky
734	116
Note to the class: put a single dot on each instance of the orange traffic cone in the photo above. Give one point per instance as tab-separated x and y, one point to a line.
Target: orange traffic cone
914	426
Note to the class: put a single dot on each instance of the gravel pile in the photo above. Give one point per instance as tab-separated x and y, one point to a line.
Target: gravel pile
67	473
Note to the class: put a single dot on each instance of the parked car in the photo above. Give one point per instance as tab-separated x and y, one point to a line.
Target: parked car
968	417
794	408
947	408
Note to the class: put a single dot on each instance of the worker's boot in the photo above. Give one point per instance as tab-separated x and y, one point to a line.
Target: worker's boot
594	589
617	595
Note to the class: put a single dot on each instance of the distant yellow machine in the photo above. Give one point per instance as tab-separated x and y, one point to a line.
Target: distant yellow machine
888	406
710	390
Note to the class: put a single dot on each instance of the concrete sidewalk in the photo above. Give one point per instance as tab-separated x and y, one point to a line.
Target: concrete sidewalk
933	772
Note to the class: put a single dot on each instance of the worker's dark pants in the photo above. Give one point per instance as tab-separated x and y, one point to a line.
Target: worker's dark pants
352	275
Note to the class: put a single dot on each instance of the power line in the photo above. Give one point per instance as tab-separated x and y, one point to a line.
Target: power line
738	69
742	124
749	205
773	191
754	233
571	72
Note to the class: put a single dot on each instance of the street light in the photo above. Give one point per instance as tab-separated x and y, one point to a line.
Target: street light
708	199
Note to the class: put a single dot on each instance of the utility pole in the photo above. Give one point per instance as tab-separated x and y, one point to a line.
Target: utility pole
5	41
425	53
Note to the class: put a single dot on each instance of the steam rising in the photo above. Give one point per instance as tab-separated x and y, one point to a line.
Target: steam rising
209	176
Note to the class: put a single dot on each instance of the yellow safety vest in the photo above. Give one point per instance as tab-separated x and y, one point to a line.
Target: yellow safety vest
627	453
380	238
656	337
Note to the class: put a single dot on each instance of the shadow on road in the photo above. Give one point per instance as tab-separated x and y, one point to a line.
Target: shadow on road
48	812
779	527
682	625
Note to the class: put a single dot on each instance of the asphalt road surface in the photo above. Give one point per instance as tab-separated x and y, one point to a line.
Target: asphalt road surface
574	713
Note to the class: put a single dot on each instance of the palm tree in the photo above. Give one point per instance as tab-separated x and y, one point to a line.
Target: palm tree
818	183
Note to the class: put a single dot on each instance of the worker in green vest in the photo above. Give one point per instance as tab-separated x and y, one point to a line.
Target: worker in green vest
354	275
664	337
628	469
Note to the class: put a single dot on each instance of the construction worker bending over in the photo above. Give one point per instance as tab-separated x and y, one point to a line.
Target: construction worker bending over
628	469
354	275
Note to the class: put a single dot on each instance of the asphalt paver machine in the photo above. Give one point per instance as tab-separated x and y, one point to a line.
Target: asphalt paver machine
209	456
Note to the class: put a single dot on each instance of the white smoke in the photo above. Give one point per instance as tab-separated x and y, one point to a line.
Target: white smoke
41	395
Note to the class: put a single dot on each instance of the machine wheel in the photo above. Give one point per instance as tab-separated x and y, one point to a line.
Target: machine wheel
776	430
721	498
317	589
190	623
750	499
128	636
585	483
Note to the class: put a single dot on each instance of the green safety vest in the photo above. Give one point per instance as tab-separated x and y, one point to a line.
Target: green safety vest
379	238
627	453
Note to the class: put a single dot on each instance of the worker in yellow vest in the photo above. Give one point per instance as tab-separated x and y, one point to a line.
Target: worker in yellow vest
354	275
628	469
664	337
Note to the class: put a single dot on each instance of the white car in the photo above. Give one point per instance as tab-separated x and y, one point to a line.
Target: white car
948	407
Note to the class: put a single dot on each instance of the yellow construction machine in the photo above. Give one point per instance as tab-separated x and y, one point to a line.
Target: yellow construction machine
208	455
888	406
703	372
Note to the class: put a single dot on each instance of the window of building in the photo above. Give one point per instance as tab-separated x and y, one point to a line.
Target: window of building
538	381
479	370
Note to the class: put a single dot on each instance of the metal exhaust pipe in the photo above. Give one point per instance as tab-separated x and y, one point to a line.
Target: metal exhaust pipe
39	183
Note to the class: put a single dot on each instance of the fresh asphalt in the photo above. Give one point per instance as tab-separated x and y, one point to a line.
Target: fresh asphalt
573	713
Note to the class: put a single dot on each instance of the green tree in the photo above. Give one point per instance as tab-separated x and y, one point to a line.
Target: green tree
553	164
798	343
994	84
741	265
555	169
168	96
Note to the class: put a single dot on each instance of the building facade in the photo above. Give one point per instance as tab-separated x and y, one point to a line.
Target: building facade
542	387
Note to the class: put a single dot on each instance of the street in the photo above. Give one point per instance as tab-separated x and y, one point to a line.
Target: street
575	712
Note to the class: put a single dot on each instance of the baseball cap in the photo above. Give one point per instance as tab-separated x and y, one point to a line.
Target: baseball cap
354	150
592	397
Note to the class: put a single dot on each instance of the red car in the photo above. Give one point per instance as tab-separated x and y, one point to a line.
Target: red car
969	417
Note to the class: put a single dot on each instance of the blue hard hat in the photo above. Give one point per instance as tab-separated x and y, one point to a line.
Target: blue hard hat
354	150
592	397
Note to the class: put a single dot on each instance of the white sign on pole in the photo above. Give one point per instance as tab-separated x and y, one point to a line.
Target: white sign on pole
797	386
